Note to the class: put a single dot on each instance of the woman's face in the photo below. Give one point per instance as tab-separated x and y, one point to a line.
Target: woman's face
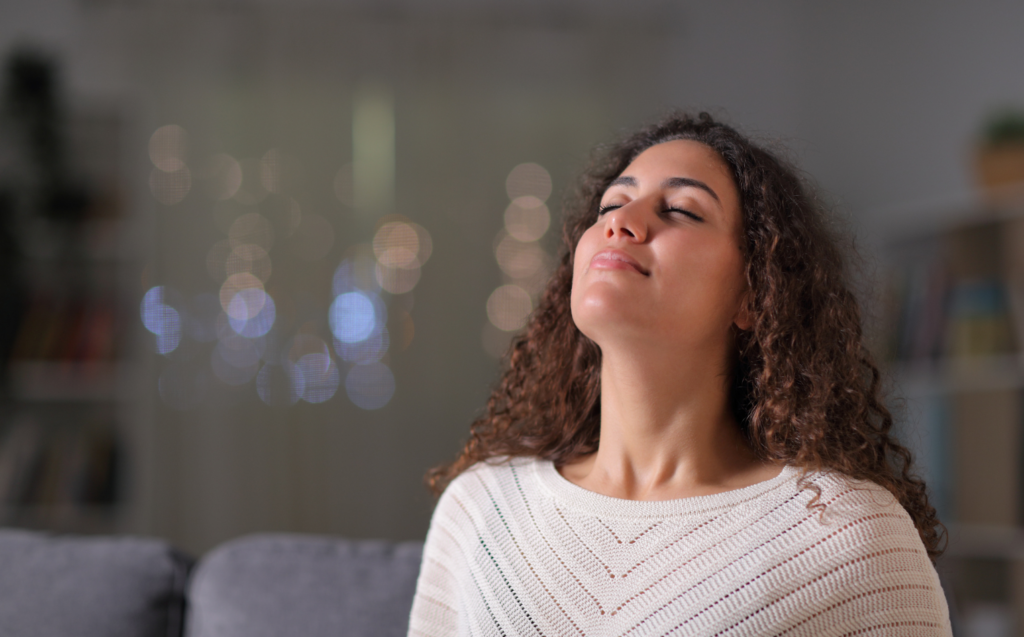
662	263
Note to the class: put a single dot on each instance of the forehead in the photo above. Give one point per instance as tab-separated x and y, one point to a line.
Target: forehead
682	158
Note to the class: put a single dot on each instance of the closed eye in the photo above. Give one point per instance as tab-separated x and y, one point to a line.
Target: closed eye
603	209
687	213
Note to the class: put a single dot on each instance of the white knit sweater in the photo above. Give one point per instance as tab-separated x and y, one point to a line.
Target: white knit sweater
516	549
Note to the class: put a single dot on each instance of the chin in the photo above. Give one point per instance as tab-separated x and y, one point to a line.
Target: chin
597	315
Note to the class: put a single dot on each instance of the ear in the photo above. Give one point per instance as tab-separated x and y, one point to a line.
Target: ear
743	319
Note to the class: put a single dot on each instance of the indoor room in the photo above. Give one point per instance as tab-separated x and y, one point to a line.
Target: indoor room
264	263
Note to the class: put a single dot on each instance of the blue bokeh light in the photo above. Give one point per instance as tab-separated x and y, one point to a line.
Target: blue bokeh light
320	376
252	313
161	319
353	317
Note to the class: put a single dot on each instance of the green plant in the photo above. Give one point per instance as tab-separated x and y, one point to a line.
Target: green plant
1004	127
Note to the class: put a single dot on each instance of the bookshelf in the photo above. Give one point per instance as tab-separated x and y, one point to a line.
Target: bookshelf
954	341
63	400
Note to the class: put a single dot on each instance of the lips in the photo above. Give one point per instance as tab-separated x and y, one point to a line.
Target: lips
611	259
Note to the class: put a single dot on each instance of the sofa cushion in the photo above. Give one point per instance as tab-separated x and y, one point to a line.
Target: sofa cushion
52	586
286	585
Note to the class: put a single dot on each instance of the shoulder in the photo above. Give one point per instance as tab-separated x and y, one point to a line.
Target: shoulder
487	484
861	509
495	470
859	533
857	559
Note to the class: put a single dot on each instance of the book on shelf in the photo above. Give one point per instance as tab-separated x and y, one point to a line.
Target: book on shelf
67	465
70	330
957	296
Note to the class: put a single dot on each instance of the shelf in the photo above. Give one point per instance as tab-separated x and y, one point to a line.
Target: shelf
64	381
957	375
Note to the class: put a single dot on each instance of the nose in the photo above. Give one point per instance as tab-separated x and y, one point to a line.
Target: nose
627	222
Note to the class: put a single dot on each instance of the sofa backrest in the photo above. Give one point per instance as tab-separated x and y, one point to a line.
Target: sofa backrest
285	585
53	585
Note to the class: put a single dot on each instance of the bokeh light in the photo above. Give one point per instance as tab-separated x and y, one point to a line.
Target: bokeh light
246	304
524	263
370	386
527	218
320	377
508	307
396	245
167	148
517	259
314	374
156	315
401	247
528	180
235	284
161	319
253	205
251	313
223	174
170	188
169	341
353	317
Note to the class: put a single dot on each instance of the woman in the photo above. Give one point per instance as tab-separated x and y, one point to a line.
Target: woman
689	438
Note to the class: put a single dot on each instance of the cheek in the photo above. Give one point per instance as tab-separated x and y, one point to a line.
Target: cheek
581	255
732	280
715	276
581	259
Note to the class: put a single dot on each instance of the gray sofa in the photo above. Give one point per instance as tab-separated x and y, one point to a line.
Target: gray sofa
256	586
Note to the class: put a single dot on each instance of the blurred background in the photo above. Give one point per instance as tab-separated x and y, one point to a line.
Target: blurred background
259	259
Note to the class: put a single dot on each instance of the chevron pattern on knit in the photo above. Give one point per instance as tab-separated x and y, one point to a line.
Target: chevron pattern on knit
515	549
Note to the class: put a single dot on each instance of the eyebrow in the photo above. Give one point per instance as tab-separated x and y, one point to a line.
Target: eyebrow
671	182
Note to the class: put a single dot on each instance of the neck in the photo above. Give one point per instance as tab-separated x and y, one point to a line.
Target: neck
666	430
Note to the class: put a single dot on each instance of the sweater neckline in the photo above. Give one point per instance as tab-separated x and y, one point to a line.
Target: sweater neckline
578	498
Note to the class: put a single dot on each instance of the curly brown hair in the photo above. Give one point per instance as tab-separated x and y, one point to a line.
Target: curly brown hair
804	386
